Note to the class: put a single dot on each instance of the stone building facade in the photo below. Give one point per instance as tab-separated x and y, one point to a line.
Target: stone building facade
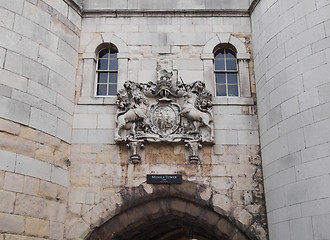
264	175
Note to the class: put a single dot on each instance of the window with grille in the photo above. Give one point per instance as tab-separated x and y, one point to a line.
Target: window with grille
107	72
226	71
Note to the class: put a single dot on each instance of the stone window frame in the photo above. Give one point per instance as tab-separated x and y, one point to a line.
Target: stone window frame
110	48
243	58
89	58
227	49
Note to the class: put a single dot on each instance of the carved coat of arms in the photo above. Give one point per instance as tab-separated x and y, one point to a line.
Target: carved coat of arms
165	111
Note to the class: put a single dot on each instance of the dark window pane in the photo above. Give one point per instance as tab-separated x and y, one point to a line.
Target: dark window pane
221	90
102	89
231	64
103	78
220	77
104	53
219	64
113	55
230	56
232	90
232	78
220	56
112	89
113	64
103	64
113	78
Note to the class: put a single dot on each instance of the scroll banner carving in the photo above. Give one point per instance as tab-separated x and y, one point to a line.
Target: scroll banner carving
167	111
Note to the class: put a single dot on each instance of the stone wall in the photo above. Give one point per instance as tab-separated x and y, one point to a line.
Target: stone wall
292	54
38	62
61	173
38	59
34	183
230	169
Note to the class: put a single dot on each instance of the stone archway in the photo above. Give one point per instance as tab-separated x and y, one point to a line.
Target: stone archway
168	219
162	212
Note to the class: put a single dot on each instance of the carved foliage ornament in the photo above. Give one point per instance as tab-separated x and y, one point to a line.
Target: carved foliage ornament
168	111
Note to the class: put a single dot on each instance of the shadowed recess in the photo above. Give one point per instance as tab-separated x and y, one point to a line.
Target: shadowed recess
168	219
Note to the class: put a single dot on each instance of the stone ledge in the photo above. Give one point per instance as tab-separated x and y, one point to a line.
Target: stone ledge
111	100
166	13
218	101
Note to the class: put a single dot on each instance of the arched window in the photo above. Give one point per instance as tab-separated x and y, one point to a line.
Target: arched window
226	71
107	72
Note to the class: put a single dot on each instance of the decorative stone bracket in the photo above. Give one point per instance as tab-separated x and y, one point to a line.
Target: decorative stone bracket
166	111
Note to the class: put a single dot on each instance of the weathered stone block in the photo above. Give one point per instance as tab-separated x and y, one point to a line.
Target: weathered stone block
45	153
14	110
99	136
17	43
85	121
60	176
68	53
48	190
59	5
7	161
38	136
13	80
7	201
222	204
32	167
42	92
31	186
63	130
35	32
62	86
37	15
17	7
14	182
11	223
43	121
9	126
64	33
56	63
6	18
56	230
76	230
16	144
37	227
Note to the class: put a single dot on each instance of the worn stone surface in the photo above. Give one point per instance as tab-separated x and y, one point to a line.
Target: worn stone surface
14	182
11	223
7	202
40	68
37	227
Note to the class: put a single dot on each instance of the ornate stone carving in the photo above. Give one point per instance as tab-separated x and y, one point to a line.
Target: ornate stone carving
166	111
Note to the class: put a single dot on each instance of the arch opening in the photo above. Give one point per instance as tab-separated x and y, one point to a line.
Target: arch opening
168	219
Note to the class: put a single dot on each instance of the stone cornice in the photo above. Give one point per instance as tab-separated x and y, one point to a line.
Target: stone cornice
166	13
163	13
74	5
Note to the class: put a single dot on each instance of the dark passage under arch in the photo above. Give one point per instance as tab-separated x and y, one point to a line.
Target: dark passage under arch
169	218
